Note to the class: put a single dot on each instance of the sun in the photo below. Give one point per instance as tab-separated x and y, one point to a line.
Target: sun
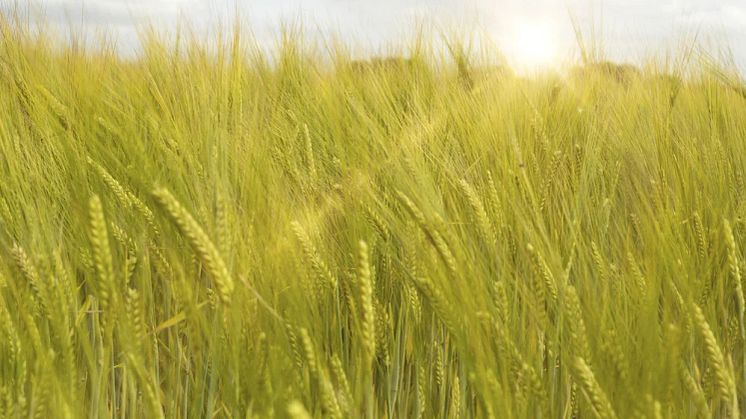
533	46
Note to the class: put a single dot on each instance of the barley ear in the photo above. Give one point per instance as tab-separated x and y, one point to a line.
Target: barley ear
735	272
592	390
366	297
200	242
102	258
723	379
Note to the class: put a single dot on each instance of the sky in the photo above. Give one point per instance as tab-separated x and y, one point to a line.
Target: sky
631	29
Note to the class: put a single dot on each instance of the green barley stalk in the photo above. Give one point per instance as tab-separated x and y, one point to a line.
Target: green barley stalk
602	408
699	230
365	283
576	324
324	276
480	214
723	379
735	272
29	271
694	390
200	242
432	234
99	238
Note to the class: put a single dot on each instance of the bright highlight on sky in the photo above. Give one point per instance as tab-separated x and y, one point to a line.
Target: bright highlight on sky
531	33
532	45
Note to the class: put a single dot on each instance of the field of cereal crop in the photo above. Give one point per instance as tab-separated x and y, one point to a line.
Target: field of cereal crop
222	231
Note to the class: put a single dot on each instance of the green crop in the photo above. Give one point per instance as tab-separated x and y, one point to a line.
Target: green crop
215	230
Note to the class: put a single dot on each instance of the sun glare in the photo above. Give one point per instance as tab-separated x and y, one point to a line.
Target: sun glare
533	46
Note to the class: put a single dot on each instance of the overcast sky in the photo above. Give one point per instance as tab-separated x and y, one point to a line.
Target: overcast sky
632	29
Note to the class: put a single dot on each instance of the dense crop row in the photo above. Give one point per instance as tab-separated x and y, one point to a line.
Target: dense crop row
214	232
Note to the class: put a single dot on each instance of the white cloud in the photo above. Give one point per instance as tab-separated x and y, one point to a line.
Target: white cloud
629	26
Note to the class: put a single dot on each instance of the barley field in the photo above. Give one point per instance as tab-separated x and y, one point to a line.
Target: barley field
214	230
